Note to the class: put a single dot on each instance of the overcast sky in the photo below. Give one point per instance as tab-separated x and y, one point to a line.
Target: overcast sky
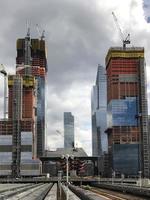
78	35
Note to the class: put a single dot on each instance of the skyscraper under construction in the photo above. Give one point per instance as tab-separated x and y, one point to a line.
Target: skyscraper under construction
31	60
128	139
22	135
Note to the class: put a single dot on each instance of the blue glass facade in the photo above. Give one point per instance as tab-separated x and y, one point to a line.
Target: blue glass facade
40	115
68	130
26	141
5	154
6	140
99	114
126	158
122	112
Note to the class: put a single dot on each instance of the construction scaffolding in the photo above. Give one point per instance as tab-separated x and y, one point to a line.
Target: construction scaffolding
143	121
16	118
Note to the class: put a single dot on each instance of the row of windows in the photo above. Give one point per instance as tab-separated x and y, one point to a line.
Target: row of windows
8	148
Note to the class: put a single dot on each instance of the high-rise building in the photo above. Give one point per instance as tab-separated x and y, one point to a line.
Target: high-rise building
68	130
23	133
18	133
21	103
127	130
31	60
99	111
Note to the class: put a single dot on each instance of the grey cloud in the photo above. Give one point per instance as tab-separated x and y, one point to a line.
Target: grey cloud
78	34
73	30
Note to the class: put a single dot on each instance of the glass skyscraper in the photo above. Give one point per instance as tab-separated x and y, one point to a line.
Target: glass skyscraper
68	130
99	110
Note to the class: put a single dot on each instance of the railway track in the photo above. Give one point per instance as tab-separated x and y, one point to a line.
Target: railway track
113	195
41	191
49	191
33	192
11	187
94	193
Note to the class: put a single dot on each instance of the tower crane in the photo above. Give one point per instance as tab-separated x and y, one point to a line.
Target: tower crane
2	71
127	39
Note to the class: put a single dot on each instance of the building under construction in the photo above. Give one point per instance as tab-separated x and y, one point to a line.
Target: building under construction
35	65
22	135
128	139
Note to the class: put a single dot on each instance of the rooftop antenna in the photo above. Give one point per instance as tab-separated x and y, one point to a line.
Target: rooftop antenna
27	59
28	29
41	35
37	28
127	39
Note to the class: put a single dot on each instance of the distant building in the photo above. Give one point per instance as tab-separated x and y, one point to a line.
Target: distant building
128	138
68	130
99	112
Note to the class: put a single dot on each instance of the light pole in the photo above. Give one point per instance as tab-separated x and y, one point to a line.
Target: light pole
122	178
67	156
67	166
113	176
140	178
